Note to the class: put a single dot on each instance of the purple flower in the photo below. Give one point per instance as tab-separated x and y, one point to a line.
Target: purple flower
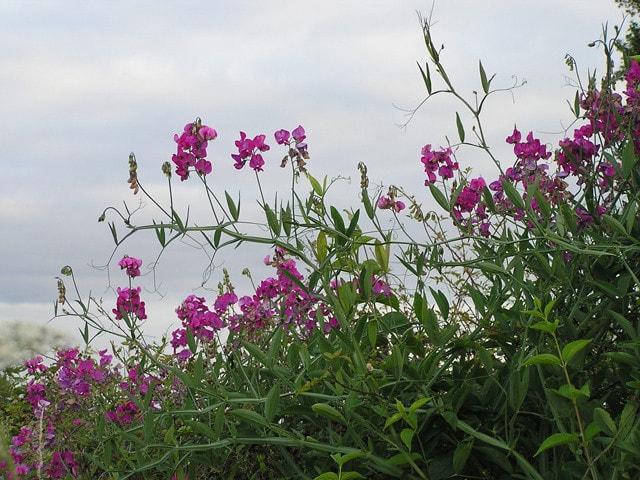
132	265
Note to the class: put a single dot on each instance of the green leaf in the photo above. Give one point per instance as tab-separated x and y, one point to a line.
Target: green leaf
604	421
315	185
624	357
180	226
393	419
342	459
353	224
382	252
368	207
483	78
418	403
406	435
233	210
255	352
545	326
615	225
513	194
572	348
274	348
460	128
160	234
114	232
426	77
372	332
629	216
191	341
439	197
271	402
490	267
556	440
543	359
442	302
628	159
321	246
272	220
327	476
244	415
461	455
201	428
329	412
338	222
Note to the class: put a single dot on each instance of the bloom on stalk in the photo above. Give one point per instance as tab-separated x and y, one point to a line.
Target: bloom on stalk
131	265
437	163
389	201
192	149
298	151
128	302
249	150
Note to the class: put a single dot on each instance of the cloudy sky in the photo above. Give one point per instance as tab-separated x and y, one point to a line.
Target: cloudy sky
84	83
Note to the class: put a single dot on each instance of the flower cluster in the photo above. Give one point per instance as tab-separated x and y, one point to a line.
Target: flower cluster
250	150
612	120
277	301
131	265
61	393
298	152
192	149
469	201
129	303
437	163
200	321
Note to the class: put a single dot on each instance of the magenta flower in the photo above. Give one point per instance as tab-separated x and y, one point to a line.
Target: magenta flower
192	149
388	202
128	302
439	163
248	151
282	137
132	265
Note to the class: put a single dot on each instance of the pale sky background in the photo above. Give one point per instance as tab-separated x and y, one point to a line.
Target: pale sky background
84	83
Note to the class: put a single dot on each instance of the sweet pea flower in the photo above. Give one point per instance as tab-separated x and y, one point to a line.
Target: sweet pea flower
132	266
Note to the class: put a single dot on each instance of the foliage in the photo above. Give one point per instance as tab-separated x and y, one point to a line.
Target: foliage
506	350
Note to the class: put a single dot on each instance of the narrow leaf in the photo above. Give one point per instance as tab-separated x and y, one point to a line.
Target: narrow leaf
556	440
483	79
460	128
426	77
233	210
604	421
271	402
244	415
572	348
439	197
628	159
543	359
329	412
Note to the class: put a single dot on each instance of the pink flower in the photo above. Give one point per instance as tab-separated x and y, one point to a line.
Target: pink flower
192	149
282	137
388	202
248	150
132	265
128	302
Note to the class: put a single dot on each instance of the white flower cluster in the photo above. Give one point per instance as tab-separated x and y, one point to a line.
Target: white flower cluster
22	340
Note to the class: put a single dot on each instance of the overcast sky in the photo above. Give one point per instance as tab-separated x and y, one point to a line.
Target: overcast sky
84	83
